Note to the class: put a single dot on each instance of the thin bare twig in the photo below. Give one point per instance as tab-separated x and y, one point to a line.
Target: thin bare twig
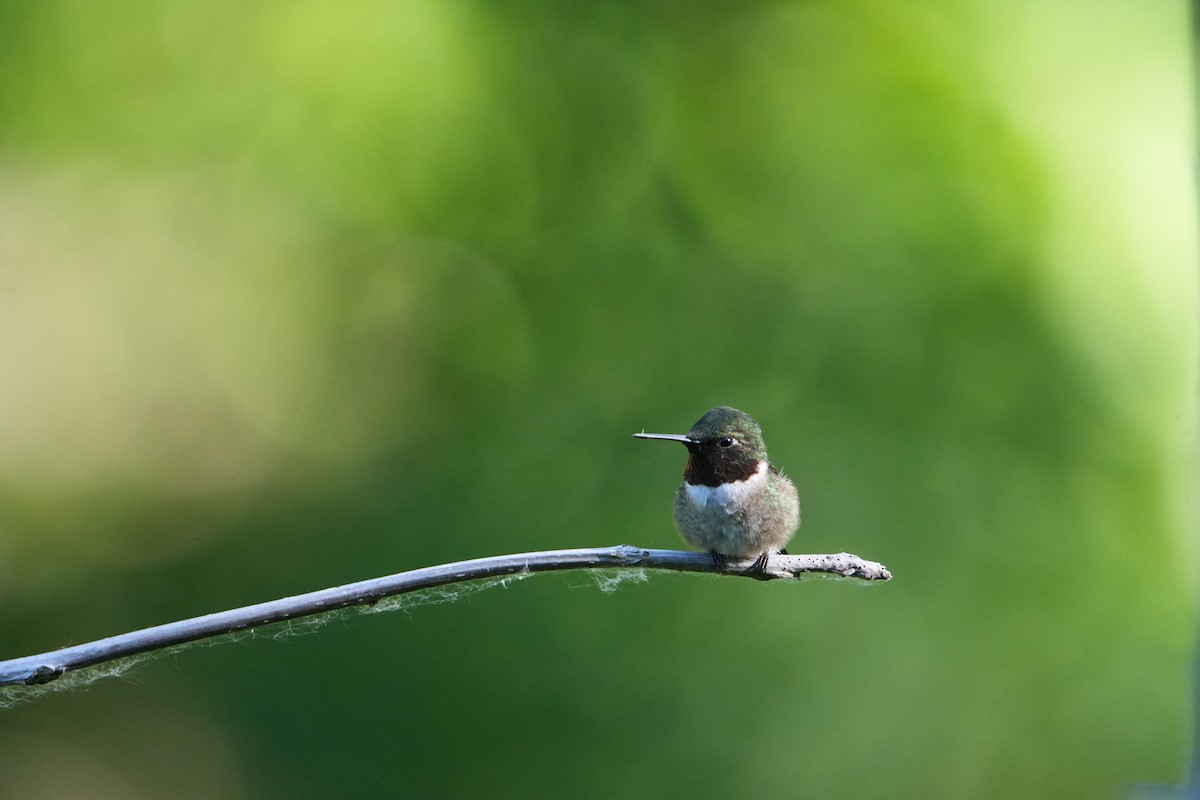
47	667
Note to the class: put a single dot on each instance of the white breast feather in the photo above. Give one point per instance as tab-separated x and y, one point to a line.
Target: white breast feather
727	496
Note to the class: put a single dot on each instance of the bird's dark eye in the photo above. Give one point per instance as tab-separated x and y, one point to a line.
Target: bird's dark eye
725	441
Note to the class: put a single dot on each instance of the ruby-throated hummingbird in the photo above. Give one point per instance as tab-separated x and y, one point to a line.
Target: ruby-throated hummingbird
733	502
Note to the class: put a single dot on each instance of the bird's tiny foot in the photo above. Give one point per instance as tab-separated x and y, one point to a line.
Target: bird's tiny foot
718	560
759	567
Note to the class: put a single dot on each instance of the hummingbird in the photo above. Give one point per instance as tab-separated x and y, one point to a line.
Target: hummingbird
733	501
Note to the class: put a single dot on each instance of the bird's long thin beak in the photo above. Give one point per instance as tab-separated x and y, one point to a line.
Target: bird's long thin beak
670	437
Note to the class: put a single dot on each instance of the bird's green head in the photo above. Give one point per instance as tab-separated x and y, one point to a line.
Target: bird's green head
724	445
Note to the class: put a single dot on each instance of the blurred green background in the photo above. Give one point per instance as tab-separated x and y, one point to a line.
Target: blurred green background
297	294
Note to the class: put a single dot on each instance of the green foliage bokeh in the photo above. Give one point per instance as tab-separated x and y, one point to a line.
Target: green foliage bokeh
293	295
